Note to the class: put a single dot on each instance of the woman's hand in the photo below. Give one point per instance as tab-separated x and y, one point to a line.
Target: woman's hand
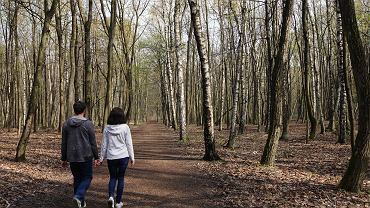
97	163
132	163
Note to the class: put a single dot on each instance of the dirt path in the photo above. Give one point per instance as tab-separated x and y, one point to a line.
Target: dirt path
162	177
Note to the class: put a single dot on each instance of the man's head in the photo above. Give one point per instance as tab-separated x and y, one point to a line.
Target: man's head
79	107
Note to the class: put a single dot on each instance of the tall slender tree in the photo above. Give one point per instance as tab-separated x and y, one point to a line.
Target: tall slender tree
180	70
341	65
270	149
306	71
111	33
208	125
358	164
87	21
36	90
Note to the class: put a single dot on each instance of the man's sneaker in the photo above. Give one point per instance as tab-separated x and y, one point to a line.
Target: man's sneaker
77	202
83	204
120	205
110	202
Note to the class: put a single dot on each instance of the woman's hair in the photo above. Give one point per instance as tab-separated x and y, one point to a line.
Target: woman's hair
116	116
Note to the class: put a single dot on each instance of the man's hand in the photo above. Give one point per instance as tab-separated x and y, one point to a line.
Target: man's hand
64	164
97	163
132	163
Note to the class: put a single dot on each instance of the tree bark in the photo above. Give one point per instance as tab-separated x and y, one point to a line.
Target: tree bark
306	69
209	138
358	164
180	70
87	21
61	57
341	73
36	90
270	149
111	34
72	53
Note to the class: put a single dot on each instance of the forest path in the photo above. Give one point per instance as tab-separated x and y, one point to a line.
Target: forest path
161	177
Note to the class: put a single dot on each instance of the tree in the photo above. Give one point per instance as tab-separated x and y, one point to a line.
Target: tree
306	69
87	20
270	149
111	33
72	60
341	65
180	70
358	163
36	90
61	56
208	125
239	79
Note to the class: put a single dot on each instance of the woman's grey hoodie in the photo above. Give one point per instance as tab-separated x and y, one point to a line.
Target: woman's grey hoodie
117	143
78	140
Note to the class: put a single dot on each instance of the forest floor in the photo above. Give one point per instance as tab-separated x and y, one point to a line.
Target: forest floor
161	177
304	175
172	174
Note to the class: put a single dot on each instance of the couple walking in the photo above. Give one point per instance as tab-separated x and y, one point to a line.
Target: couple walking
79	149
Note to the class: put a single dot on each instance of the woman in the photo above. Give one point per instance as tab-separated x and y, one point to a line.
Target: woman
117	148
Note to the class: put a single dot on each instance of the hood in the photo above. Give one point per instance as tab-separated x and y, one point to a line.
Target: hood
115	129
76	121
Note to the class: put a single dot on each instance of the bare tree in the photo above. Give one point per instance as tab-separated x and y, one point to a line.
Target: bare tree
36	90
269	152
180	70
358	164
208	125
87	20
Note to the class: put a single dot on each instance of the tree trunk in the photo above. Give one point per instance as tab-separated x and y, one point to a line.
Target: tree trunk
349	101
306	69
286	104
180	70
209	138
358	164
36	90
341	71
61	56
244	96
269	65
72	53
223	65
111	34
87	20
331	111
270	149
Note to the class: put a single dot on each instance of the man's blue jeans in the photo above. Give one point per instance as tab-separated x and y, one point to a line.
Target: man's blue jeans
117	169
82	175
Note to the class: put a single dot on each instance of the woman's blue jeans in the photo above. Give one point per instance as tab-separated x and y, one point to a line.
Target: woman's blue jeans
117	169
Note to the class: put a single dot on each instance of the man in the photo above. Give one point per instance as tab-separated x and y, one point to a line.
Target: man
79	149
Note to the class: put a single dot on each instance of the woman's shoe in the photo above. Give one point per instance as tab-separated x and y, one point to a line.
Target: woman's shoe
120	205
76	202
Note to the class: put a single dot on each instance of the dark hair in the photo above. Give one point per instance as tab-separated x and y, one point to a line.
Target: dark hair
79	107
116	116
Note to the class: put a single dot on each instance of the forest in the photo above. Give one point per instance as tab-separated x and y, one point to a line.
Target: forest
267	96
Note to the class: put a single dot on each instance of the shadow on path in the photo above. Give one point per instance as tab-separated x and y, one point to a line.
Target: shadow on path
162	177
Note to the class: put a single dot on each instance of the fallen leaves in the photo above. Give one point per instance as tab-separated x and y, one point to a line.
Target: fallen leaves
304	175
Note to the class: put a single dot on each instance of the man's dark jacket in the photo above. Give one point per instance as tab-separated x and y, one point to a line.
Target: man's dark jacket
78	140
